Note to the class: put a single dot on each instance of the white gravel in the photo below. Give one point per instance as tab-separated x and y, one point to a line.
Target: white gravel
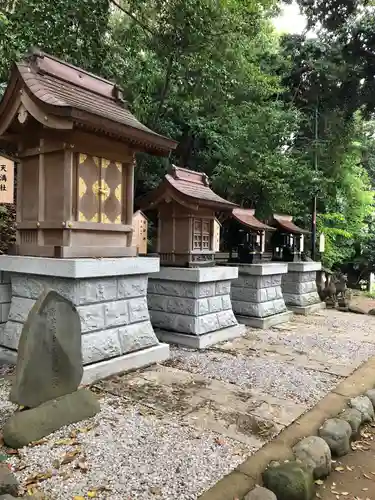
283	380
343	349
134	454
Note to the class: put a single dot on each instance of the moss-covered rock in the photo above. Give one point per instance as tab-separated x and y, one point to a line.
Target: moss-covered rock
290	481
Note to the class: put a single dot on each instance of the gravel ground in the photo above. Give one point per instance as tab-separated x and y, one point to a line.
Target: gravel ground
282	380
341	348
129	453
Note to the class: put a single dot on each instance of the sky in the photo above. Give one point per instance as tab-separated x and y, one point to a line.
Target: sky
290	21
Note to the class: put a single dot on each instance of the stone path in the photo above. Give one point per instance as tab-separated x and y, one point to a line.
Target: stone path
172	431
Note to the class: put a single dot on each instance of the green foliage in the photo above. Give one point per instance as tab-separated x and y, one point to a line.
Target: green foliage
241	102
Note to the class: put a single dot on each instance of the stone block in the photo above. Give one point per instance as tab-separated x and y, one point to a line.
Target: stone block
92	317
24	427
138	310
167	303
20	309
222	287
4	277
100	345
354	419
95	290
132	286
260	493
4	312
173	289
205	290
299	287
10	335
5	293
301	300
136	337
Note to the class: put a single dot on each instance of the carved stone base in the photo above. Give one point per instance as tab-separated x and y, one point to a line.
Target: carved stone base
192	301
110	296
257	295
299	285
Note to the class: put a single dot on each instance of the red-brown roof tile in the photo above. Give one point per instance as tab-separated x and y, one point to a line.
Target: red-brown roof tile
246	217
73	92
286	222
191	185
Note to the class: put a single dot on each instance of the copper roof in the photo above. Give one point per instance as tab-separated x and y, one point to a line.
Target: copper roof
190	186
67	91
286	223
246	217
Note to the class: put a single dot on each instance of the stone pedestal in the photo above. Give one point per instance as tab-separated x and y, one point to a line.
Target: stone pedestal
110	296
299	287
192	307
257	296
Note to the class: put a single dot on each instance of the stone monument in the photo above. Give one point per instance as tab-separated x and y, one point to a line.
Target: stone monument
76	141
257	297
48	373
189	299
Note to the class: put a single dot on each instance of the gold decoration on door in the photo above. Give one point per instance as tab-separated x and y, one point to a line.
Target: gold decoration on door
99	190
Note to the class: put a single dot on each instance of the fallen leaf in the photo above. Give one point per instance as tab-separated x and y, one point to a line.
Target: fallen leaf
91	494
11	451
69	457
367	476
67	442
345	493
78	498
339	469
319	481
38	478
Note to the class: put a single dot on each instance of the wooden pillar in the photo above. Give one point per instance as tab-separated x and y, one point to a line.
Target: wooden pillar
41	191
68	188
129	198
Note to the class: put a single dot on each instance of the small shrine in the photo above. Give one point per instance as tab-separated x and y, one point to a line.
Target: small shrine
140	232
288	240
76	141
189	298
187	227
245	236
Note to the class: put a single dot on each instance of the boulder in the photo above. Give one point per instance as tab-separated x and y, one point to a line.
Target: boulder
315	454
354	419
371	394
8	482
336	433
260	493
371	312
290	481
27	426
49	360
363	404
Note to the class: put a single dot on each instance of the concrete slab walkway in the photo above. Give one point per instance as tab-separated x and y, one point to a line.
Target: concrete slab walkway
173	430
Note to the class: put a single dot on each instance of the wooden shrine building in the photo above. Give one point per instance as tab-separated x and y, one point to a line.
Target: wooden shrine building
245	236
288	240
76	141
186	209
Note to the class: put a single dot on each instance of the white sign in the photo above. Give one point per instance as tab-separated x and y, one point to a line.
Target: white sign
322	243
